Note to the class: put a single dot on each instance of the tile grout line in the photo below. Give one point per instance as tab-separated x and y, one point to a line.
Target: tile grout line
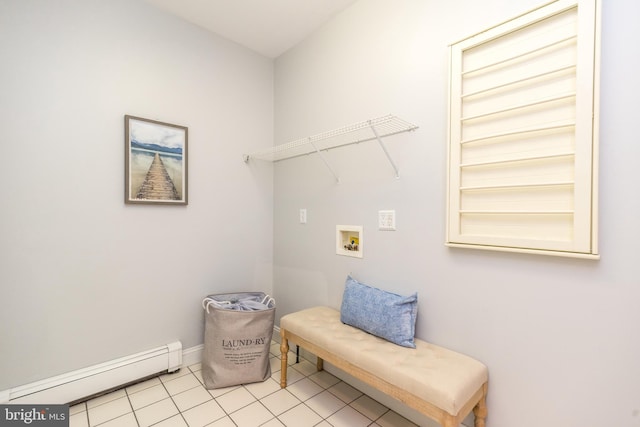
106	403
173	401
305	376
301	402
275	417
226	414
86	407
135	416
200	404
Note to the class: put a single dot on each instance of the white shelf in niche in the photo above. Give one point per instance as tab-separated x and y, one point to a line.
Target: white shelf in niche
349	240
368	130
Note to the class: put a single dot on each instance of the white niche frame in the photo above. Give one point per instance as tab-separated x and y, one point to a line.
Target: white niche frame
349	241
523	134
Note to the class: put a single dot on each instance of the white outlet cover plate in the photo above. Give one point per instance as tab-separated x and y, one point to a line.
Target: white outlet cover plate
387	220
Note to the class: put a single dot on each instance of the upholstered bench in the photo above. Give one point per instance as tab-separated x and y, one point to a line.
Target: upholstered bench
439	383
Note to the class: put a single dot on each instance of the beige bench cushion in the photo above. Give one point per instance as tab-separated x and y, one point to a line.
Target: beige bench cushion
442	377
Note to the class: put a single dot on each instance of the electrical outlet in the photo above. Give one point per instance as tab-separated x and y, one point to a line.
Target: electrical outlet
387	220
303	216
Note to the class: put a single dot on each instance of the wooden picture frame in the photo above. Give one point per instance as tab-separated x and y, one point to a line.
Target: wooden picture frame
155	162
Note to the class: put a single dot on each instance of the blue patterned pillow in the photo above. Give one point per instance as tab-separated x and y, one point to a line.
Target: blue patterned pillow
381	313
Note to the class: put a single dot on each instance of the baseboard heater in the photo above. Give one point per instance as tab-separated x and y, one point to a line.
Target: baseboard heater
78	385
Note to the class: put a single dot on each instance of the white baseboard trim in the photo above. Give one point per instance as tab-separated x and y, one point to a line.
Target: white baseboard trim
192	355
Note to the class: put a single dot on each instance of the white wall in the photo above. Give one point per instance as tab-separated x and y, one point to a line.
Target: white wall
85	278
559	335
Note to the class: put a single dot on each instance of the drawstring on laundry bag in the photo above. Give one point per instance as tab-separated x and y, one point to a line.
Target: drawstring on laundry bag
247	303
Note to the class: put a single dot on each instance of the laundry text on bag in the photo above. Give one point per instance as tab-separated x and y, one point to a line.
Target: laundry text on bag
242	342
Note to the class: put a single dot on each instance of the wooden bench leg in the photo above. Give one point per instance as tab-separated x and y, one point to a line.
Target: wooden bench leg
319	364
284	352
450	421
480	410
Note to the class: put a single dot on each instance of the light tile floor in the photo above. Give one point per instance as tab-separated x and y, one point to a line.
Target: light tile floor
179	400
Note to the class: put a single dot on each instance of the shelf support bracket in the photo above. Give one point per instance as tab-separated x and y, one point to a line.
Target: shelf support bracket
384	148
325	161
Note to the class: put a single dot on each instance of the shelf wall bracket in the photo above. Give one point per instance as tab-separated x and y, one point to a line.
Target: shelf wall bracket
384	148
326	163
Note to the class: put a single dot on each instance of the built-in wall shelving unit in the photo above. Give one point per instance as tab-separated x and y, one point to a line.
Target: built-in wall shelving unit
368	130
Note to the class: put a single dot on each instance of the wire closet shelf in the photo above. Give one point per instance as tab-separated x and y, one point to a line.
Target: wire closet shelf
368	130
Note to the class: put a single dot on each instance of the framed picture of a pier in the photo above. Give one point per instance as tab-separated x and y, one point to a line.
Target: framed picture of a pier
155	162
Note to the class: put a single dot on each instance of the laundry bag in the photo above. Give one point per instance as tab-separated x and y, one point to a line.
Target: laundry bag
237	338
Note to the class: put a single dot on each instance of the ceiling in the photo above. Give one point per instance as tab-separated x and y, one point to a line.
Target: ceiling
269	27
